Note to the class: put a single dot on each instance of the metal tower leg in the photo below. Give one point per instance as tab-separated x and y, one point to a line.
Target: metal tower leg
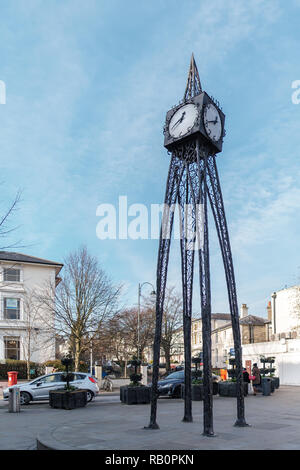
174	177
205	298
197	173
217	205
187	238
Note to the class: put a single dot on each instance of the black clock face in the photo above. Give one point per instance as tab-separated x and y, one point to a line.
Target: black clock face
183	120
212	122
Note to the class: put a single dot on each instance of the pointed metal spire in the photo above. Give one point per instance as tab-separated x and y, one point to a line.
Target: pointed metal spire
193	86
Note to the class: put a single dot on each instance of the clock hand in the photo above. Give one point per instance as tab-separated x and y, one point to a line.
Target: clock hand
215	121
179	120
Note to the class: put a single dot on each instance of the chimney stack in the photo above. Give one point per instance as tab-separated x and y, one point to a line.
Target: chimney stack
244	310
269	310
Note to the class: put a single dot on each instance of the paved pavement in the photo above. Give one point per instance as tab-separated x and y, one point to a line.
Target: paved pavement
107	424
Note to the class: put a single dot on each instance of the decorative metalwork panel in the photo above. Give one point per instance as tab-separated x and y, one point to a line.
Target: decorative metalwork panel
193	86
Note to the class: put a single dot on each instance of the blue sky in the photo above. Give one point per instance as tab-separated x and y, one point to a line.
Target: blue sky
88	85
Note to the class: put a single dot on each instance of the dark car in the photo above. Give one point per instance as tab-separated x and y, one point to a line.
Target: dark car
171	385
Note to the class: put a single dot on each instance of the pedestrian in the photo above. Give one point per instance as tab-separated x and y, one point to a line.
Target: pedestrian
246	378
257	379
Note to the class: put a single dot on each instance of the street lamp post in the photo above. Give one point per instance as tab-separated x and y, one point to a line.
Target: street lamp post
139	313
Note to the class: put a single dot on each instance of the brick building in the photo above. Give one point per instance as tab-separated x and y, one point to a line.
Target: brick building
253	329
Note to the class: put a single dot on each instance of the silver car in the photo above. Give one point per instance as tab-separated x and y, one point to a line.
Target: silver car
38	389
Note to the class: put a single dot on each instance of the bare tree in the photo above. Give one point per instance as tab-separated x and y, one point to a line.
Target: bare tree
37	335
121	334
31	339
171	321
5	229
81	303
113	340
126	324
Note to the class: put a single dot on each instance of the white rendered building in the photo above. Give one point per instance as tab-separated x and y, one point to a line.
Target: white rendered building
25	325
286	313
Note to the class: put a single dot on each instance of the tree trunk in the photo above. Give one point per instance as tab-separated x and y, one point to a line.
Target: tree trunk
168	359
28	368
77	354
28	357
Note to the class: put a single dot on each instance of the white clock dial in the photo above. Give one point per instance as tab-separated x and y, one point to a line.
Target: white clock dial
183	120
212	122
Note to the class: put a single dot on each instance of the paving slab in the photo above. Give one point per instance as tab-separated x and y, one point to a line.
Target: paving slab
107	424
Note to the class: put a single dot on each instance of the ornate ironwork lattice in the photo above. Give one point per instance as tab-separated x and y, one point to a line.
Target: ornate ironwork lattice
192	181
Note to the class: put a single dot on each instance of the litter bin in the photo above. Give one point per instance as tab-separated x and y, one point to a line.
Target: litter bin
12	378
266	386
272	385
14	400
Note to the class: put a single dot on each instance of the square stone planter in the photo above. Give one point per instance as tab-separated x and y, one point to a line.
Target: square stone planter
197	391
135	395
228	389
67	400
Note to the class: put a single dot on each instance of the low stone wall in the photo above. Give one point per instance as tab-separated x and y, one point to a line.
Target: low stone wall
117	383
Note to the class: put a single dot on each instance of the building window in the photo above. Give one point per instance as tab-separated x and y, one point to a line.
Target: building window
11	309
217	338
11	275
12	348
251	334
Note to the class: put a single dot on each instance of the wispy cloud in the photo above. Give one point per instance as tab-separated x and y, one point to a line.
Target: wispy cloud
87	91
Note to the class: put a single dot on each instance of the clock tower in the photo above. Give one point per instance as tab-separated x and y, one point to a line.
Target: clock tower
193	135
198	117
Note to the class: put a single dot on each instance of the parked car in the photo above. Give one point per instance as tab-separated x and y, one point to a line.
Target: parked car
112	369
171	384
38	389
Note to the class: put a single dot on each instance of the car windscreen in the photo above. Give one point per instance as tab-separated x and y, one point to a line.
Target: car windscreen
175	375
35	380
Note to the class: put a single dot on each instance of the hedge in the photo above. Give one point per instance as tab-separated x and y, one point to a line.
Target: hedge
39	369
21	368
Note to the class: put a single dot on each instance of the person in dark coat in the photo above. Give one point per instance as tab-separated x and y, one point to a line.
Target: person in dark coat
257	381
246	376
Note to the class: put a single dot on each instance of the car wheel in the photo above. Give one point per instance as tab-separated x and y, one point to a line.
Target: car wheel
89	396
24	398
